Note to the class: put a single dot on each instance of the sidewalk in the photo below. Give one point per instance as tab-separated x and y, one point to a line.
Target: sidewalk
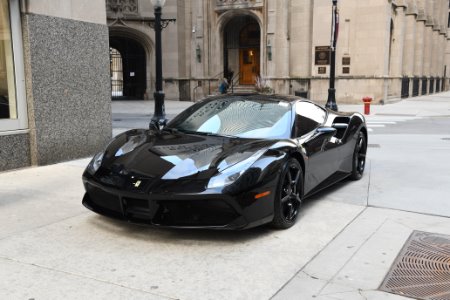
342	246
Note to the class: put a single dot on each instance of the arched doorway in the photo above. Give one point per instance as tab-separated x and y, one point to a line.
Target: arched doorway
128	69
242	48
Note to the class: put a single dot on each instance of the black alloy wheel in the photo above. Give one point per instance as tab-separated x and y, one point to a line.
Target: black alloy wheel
289	195
359	157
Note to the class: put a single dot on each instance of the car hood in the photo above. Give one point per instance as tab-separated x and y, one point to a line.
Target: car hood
177	155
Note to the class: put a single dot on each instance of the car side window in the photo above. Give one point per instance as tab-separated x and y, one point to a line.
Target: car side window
308	117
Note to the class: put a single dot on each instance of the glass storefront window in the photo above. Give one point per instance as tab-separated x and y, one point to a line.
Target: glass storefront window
13	101
8	103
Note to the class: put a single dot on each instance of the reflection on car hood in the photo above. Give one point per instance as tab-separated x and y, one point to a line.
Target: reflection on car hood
177	155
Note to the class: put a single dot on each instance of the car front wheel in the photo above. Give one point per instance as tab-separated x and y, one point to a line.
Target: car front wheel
289	195
359	157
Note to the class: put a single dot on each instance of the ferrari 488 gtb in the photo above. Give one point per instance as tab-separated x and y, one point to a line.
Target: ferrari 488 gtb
227	162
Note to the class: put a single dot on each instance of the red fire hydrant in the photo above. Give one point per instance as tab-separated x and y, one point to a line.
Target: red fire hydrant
367	101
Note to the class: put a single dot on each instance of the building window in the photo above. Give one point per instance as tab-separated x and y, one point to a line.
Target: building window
12	95
8	107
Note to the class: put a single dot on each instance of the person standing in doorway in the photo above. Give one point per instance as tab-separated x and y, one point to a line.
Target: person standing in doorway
223	86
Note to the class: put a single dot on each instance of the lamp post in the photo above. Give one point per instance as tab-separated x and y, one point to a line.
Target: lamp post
331	102
159	117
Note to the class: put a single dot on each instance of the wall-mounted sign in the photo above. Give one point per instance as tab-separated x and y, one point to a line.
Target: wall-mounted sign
132	74
322	70
322	56
346	61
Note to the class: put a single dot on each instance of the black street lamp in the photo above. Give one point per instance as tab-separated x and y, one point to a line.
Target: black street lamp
159	117
331	102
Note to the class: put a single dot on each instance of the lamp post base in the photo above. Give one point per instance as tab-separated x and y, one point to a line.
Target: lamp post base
331	102
159	119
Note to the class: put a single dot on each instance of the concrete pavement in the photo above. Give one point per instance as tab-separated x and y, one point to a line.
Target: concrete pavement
342	246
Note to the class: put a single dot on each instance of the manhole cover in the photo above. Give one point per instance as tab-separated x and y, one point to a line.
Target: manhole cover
374	146
422	269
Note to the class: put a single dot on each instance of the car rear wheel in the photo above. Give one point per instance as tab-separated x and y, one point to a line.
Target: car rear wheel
359	157
289	192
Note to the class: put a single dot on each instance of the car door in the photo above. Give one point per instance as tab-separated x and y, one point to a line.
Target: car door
316	143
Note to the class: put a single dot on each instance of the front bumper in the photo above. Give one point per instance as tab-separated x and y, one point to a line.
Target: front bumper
178	210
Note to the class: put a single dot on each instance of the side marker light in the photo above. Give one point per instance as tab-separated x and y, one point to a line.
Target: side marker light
258	196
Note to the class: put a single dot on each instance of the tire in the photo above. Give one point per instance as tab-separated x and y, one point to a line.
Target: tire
359	157
289	195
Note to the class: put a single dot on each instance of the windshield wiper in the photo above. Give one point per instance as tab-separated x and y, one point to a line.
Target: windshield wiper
176	130
218	134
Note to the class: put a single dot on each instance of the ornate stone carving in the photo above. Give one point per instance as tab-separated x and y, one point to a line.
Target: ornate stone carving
126	7
222	5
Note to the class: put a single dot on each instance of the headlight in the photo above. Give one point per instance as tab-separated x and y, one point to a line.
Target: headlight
95	163
231	174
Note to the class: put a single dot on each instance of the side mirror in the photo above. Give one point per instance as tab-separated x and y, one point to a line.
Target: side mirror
325	132
156	125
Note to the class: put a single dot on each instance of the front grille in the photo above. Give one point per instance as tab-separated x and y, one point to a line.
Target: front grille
194	213
422	270
132	183
137	210
103	200
180	186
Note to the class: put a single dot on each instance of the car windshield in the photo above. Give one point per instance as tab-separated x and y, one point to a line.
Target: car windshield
238	116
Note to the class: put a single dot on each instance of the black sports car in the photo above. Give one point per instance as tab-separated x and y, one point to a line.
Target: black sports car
227	162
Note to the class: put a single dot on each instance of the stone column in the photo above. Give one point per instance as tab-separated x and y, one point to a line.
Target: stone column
409	44
396	65
442	36
301	38
436	52
409	41
398	42
428	47
436	32
419	46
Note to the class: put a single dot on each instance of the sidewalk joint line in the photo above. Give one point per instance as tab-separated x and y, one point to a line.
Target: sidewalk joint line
368	184
82	276
41	226
409	211
353	255
317	254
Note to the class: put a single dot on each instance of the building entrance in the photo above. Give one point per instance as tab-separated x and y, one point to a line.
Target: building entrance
242	42
248	65
128	69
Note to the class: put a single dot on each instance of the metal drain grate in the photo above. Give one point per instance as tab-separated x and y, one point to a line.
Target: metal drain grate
422	269
373	146
446	139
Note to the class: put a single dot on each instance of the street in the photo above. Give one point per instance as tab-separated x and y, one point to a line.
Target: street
342	246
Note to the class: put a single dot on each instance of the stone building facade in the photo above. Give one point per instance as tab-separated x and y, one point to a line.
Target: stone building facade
386	48
55	101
